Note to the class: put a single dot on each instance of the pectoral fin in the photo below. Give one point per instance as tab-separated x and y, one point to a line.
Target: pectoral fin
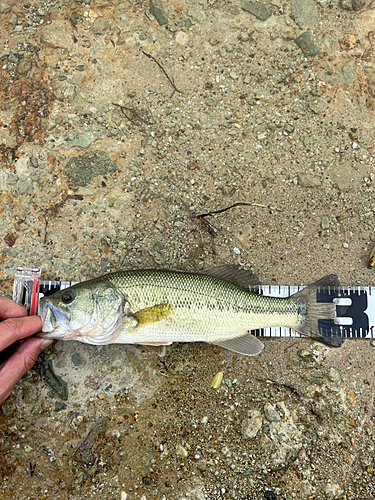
245	344
152	314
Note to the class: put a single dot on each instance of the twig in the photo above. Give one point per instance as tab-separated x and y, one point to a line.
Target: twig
287	386
134	115
213	230
52	211
278	384
238	204
163	70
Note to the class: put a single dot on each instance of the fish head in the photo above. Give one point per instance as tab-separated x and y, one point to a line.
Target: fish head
90	313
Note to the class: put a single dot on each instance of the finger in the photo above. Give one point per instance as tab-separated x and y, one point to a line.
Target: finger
9	309
13	329
17	365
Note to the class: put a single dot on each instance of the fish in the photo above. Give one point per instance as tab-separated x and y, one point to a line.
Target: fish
159	307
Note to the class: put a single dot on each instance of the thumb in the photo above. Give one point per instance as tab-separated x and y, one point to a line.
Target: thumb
17	365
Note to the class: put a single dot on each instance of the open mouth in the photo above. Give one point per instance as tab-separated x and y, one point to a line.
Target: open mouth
52	317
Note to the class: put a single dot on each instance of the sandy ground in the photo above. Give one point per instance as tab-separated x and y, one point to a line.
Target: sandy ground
120	122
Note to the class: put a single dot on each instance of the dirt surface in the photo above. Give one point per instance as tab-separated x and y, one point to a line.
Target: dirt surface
120	122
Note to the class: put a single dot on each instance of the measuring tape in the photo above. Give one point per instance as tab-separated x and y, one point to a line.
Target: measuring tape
355	306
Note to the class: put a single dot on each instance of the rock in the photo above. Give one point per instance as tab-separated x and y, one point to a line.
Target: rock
304	354
86	191
8	408
257	9
4	8
344	176
24	66
215	39
181	451
270	413
243	37
355	5
182	38
315	107
76	359
84	141
324	223
308	180
59	406
358	4
198	16
58	35
65	91
99	26
13	20
159	11
304	12
350	398
270	495
333	375
3	179
13	57
305	43
25	185
332	490
81	169
291	438
96	48
22	165
251	424
349	71
348	42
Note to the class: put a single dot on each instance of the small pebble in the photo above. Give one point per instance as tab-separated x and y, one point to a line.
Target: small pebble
216	381
333	375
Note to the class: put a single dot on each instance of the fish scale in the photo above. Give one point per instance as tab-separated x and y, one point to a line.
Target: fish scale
202	306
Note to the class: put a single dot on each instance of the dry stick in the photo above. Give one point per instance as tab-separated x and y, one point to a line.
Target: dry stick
163	70
134	112
213	230
279	384
238	204
52	211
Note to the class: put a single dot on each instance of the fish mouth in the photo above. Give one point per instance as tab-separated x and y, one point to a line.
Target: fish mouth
53	320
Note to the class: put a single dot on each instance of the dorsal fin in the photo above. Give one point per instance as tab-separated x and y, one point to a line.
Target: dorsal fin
235	275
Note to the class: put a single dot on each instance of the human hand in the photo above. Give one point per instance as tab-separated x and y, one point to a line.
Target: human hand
16	325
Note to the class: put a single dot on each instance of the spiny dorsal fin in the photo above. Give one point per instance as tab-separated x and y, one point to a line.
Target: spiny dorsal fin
235	275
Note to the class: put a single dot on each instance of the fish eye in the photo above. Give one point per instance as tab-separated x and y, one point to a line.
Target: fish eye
67	297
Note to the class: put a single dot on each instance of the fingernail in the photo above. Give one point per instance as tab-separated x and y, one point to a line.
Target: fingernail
46	343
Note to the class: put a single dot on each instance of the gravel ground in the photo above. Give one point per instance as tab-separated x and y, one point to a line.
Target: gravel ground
120	122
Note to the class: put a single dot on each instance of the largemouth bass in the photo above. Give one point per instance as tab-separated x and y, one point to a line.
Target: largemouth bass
157	307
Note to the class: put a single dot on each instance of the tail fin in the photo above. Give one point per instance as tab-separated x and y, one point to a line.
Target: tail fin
310	311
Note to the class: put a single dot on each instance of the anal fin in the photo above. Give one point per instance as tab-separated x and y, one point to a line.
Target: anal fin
245	344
